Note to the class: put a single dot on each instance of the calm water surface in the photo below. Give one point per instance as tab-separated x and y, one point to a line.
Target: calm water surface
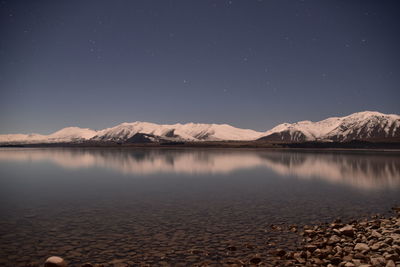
146	206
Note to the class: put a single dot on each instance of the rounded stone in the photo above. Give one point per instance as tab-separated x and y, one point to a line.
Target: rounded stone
55	261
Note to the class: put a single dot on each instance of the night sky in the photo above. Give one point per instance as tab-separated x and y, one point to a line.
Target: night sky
252	64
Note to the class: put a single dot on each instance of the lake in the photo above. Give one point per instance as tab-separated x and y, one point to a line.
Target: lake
180	206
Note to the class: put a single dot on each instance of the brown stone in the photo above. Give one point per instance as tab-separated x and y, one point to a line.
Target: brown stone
378	261
361	247
390	263
347	230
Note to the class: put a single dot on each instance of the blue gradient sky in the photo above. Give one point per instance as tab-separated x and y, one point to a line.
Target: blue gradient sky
252	64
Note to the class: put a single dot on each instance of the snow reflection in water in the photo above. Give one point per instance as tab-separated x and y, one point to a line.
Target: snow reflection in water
364	170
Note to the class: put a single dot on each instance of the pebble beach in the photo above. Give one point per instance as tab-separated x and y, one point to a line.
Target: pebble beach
371	241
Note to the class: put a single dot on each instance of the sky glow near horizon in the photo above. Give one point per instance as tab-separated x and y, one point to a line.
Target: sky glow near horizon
251	64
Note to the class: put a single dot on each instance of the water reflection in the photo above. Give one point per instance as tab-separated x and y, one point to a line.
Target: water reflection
360	170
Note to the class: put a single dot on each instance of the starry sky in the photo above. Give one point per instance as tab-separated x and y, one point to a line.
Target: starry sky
251	64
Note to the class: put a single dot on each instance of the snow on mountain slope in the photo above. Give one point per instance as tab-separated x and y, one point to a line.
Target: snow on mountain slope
21	138
174	132
366	125
357	126
361	125
69	134
303	130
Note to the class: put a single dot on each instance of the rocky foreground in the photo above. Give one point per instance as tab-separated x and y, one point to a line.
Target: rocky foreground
373	242
370	242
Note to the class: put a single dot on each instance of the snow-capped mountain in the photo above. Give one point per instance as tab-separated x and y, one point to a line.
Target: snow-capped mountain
65	135
145	131
358	126
138	132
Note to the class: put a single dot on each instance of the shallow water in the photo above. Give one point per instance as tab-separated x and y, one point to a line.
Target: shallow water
179	205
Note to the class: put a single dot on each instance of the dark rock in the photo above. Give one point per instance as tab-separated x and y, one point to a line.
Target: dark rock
255	260
231	248
336	261
280	252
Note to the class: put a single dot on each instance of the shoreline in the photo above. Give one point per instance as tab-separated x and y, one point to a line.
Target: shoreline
372	241
393	147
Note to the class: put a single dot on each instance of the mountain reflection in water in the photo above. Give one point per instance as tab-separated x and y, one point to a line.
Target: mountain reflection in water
372	170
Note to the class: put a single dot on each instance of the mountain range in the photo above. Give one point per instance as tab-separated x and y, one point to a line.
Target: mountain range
367	125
